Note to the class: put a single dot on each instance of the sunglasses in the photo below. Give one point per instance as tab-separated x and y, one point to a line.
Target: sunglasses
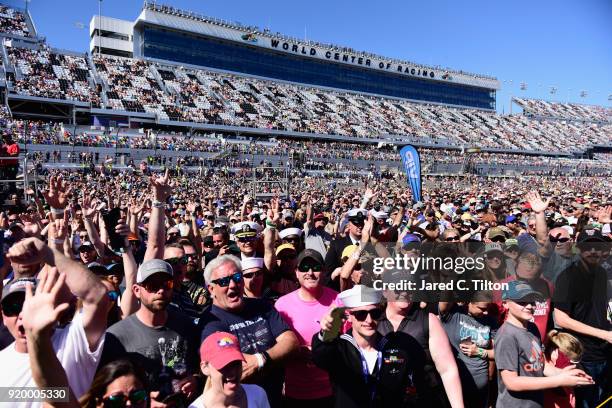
177	260
555	239
156	286
498	239
526	303
247	239
305	267
191	256
137	398
251	275
531	225
291	240
113	295
12	309
448	239
361	315
224	282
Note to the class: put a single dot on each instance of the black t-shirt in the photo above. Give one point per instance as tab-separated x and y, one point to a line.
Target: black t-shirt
581	292
173	346
6	337
256	326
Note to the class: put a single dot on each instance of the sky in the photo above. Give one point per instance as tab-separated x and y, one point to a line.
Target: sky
566	44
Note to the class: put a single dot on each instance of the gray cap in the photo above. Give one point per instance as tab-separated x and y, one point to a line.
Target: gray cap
151	267
16	286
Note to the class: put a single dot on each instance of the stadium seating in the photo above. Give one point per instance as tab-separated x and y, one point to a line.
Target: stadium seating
13	22
570	111
48	74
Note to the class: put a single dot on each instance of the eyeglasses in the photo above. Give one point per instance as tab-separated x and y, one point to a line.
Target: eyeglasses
560	239
291	240
531	225
589	247
454	238
247	239
305	267
137	398
224	282
361	315
113	295
251	275
177	260
12	309
155	286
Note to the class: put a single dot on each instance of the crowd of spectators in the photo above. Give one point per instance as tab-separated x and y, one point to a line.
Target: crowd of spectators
194	263
569	111
13	22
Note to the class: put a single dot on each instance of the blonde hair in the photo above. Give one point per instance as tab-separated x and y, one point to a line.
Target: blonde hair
566	343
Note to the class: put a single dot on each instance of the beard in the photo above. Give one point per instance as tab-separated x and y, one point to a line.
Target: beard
158	305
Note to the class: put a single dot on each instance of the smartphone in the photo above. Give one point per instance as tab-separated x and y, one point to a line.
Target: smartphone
111	219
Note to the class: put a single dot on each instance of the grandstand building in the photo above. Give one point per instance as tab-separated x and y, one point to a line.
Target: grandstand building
168	34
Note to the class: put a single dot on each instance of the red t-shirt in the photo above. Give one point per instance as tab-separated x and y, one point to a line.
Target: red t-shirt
543	309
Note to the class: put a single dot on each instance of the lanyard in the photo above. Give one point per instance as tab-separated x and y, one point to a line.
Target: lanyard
377	368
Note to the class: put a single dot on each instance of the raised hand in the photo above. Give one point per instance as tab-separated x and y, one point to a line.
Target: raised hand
42	310
161	187
535	201
29	251
604	215
88	206
57	194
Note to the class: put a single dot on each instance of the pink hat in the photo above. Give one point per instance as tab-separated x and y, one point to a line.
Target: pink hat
220	349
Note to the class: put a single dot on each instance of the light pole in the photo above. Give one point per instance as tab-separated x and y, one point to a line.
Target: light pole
99	26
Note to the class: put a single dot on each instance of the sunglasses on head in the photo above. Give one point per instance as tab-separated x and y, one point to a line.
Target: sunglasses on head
251	275
113	295
13	308
560	239
137	398
361	315
177	260
224	282
155	286
305	267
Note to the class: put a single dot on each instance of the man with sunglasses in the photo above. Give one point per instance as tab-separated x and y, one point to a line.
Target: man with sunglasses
356	221
581	302
265	339
316	237
291	236
305	384
160	339
253	275
78	345
174	254
248	239
366	368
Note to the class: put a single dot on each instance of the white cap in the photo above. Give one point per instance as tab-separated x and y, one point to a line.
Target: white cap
246	226
379	215
290	231
570	230
360	295
288	213
251	263
355	211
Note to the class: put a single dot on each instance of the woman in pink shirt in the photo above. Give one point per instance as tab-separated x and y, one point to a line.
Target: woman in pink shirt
305	384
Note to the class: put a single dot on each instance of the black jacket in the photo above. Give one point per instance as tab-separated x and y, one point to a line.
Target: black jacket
333	259
394	384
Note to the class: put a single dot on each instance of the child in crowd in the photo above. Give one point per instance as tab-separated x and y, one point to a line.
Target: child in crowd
523	372
562	350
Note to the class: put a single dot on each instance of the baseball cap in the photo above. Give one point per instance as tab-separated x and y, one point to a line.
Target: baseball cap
493	247
591	235
17	286
151	267
496	232
220	349
320	216
410	238
519	290
348	251
510	218
86	246
284	247
511	242
310	254
97	268
360	295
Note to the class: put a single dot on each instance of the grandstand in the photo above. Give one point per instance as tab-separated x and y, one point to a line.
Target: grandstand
78	101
